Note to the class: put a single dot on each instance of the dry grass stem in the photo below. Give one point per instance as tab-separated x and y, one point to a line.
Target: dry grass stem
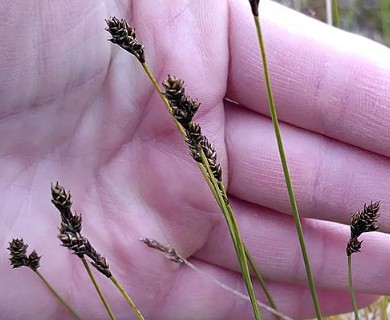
172	255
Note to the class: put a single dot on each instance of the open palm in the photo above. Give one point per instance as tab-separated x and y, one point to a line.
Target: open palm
76	109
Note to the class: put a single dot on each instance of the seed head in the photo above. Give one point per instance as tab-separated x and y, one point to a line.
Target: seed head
353	246
170	253
18	256
33	260
124	36
365	220
174	89
361	222
62	200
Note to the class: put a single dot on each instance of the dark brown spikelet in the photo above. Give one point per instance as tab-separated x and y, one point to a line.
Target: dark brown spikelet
196	142
183	110
193	137
18	249
183	107
174	89
124	36
365	220
72	240
361	222
33	260
170	253
211	155
18	256
100	263
353	246
255	7
62	200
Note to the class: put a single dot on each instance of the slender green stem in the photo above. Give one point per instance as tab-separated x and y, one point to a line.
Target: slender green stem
291	195
351	289
260	279
252	263
221	188
127	298
156	86
99	291
335	13
56	294
250	259
237	239
220	198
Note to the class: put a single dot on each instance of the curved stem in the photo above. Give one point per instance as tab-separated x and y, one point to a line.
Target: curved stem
290	190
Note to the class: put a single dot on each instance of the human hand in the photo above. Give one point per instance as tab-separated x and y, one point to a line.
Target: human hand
79	110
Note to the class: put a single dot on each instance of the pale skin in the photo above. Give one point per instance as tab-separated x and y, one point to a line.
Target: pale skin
77	109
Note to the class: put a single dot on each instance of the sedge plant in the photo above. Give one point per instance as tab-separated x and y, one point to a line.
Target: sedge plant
71	237
182	109
18	258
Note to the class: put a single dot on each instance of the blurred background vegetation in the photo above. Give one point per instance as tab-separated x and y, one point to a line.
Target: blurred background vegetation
370	18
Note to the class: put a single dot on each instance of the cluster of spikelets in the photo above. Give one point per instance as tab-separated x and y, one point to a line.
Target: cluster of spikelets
70	230
18	255
361	222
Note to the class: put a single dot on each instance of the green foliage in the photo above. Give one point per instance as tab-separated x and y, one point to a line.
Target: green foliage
370	18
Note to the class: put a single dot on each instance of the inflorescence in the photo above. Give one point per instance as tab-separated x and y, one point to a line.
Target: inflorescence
124	36
361	222
70	230
183	110
18	255
170	253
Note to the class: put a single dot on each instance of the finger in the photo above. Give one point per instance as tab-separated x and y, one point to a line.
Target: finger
194	297
330	179
272	240
324	80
